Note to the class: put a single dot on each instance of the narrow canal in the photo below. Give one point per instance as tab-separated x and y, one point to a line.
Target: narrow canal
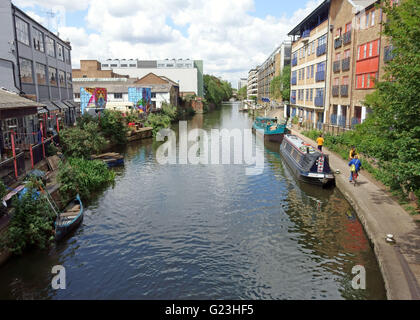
205	232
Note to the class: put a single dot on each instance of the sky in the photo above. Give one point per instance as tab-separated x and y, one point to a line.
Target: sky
230	36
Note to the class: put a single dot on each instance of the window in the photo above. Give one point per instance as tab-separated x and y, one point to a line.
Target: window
338	33
367	19
25	70
105	65
118	95
124	66
52	73
153	94
22	31
370	49
337	56
303	73
368	81
40	74
336	81
347	54
69	79
379	46
312	71
77	95
358	52
322	40
62	78
364	50
308	73
67	55
312	95
114	65
321	67
307	94
363	81
373	18
133	65
303	52
38	40
50	46
345	81
60	52
348	27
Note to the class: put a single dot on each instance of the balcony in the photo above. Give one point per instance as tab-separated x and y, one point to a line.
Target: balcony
319	101
388	54
322	49
335	91
345	64
320	76
294	81
347	37
338	42
294	62
336	66
344	90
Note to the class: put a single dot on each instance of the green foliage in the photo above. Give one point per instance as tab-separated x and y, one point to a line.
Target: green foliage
31	224
52	149
158	121
216	90
242	93
169	110
82	141
113	126
85	119
80	176
280	85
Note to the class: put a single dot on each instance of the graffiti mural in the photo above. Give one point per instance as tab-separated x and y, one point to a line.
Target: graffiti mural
142	98
92	97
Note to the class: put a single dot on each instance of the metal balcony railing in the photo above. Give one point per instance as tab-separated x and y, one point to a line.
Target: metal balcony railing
336	66
319	101
338	42
320	76
294	62
347	37
322	49
335	91
345	64
344	90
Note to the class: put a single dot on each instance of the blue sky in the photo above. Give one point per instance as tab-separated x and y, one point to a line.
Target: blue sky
230	36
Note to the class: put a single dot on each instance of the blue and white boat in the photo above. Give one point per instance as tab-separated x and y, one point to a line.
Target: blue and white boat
273	131
68	220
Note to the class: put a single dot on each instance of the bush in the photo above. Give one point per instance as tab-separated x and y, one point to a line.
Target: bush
158	121
113	126
82	142
80	176
32	222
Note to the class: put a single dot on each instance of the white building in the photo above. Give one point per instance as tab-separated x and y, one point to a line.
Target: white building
185	72
242	83
252	86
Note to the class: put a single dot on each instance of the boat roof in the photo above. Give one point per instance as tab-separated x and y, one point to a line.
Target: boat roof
298	143
264	118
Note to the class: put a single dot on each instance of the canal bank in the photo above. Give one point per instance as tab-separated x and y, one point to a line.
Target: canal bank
381	215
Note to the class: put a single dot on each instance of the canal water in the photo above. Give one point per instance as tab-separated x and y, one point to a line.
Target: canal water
205	232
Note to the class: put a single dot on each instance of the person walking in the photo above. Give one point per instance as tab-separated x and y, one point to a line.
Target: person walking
355	166
300	122
320	142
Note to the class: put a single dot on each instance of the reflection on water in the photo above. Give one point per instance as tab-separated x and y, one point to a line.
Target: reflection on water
205	232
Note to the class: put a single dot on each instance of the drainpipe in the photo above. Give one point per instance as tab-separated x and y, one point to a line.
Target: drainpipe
14	74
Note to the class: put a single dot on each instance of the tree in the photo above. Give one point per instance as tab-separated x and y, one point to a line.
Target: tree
396	100
280	85
242	93
216	90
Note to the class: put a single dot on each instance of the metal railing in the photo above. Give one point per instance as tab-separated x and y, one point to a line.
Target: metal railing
338	42
320	76
319	101
344	90
336	66
347	37
322	49
345	64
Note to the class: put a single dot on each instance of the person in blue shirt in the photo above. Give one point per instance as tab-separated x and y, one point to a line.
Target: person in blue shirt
355	166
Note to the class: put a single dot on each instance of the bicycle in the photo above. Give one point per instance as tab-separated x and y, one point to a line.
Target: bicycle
354	176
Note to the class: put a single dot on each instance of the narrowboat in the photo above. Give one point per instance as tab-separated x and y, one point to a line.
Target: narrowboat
306	162
112	159
69	219
273	131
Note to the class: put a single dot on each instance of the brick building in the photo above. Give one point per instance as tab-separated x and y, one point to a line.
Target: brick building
92	69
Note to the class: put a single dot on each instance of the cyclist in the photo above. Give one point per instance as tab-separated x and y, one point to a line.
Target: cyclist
355	166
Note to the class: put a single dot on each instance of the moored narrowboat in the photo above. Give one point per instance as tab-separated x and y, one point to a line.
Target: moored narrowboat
306	162
272	130
67	221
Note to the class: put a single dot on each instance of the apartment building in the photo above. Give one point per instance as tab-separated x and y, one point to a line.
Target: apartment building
358	55
309	66
272	67
187	73
252	86
243	82
35	63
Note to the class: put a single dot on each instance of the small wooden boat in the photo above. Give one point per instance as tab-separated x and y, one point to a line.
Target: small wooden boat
307	163
112	159
69	219
272	130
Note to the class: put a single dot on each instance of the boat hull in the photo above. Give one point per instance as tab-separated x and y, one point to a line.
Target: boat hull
63	230
275	137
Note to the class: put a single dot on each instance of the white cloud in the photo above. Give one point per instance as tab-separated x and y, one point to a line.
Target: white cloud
222	33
